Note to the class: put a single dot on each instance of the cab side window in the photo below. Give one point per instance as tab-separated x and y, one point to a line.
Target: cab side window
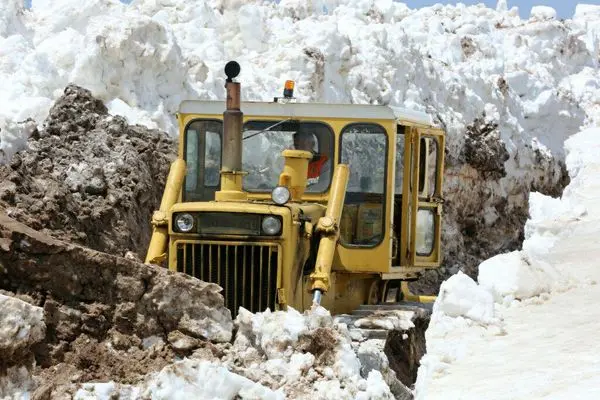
364	148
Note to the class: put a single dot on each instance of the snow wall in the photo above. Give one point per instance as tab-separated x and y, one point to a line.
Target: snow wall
508	91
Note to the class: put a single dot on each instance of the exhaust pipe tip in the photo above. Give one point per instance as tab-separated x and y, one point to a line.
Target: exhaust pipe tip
232	70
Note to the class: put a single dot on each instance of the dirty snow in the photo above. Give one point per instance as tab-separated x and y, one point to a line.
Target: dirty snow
268	360
541	341
21	326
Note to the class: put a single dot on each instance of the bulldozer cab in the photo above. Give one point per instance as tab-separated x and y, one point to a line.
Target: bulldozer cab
342	221
396	170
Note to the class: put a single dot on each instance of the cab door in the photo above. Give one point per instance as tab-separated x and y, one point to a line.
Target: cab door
422	202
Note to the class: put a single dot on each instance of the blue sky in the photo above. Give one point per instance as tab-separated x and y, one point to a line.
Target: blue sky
564	8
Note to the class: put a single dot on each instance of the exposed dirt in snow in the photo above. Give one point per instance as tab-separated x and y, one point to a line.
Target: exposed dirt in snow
484	150
106	317
91	361
88	177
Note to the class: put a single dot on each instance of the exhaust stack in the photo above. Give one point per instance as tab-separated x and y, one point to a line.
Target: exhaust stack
231	170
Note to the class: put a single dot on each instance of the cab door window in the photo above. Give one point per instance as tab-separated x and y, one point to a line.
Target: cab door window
364	148
426	221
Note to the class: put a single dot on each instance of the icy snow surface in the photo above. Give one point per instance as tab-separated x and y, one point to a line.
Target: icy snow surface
544	346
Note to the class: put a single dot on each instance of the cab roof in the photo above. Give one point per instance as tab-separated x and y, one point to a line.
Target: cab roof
323	110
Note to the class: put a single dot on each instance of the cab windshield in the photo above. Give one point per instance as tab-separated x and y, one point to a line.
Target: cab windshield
262	144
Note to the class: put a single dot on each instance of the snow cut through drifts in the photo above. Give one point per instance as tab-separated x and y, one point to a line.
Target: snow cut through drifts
560	254
461	307
537	268
142	59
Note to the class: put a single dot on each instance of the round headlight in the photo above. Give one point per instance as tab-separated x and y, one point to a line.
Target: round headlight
280	195
271	225
184	222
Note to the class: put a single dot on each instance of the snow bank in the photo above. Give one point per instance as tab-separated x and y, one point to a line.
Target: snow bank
560	253
462	307
535	270
146	57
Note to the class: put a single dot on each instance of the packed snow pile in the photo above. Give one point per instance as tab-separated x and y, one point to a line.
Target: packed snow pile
88	177
275	355
541	267
508	91
529	320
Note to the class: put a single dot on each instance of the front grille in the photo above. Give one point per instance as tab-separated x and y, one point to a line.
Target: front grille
246	272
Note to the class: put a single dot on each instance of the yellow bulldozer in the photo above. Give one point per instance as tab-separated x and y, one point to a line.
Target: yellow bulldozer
293	204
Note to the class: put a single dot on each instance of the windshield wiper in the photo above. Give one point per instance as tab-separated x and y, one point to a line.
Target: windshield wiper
268	128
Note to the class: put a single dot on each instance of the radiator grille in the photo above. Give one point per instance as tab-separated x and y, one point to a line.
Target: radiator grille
246	272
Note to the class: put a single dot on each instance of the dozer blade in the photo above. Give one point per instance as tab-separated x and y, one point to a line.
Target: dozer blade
374	321
396	328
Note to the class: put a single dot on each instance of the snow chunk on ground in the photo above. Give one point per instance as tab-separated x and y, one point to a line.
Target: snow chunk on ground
306	355
21	326
387	319
514	276
460	296
204	380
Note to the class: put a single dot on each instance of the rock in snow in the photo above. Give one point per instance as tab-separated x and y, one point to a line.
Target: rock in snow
21	328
